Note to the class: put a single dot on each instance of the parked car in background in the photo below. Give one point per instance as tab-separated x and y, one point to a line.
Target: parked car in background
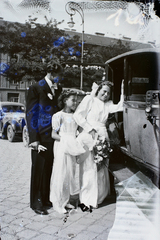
12	120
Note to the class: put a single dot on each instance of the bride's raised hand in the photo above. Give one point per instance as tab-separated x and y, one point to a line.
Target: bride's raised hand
122	87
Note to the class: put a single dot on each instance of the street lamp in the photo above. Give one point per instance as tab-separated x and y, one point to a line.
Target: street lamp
71	9
71	23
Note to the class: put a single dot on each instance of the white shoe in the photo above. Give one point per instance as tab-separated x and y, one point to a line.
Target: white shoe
61	210
69	206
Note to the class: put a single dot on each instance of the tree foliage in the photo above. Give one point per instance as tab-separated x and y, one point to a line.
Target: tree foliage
28	45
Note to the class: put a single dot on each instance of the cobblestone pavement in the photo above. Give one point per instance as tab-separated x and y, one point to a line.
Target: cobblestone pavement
18	221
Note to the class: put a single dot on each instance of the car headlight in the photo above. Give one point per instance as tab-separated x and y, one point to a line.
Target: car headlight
19	120
148	109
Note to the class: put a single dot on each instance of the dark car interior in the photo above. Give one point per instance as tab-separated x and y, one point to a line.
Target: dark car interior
9	108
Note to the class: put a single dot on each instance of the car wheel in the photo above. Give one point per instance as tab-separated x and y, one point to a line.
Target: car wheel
10	133
25	137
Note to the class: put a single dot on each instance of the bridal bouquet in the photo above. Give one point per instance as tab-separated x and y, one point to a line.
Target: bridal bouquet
102	153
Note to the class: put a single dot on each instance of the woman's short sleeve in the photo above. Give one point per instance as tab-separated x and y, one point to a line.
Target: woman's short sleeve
56	121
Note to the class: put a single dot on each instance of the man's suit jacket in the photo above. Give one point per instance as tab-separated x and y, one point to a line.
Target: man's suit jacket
40	106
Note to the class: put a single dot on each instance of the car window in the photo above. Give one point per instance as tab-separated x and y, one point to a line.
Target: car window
6	108
12	108
18	109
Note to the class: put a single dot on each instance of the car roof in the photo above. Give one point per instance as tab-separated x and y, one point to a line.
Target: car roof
11	103
146	50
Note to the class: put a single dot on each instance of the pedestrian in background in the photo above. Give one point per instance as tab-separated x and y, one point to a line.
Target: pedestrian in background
41	105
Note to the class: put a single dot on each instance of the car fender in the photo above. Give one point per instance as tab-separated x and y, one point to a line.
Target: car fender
4	128
23	123
12	123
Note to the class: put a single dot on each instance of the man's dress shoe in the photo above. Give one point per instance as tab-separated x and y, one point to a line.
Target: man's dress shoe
41	211
48	205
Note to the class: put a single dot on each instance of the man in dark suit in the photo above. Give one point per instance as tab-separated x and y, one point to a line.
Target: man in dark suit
41	104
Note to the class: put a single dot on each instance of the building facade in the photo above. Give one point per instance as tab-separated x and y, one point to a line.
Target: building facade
11	91
16	91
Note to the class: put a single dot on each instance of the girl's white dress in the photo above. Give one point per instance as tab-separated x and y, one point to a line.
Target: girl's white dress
63	181
93	113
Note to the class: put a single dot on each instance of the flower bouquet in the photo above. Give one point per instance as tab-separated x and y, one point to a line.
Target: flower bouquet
102	153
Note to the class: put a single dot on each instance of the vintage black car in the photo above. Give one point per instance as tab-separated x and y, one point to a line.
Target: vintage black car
12	120
139	122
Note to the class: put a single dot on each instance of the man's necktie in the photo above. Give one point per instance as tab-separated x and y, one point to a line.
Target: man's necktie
52	90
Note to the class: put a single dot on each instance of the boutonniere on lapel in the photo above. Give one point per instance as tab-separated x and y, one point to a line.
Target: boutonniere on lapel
50	96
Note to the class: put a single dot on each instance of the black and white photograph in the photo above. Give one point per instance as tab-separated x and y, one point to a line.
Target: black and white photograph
79	120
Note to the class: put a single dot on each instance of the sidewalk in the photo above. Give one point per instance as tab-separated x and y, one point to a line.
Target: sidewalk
19	222
137	210
134	216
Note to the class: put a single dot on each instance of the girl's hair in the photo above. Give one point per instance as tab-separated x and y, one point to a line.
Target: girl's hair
63	96
104	83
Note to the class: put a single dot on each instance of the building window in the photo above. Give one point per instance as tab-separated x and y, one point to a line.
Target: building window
13	97
14	82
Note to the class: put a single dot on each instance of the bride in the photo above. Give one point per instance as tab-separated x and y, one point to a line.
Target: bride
92	114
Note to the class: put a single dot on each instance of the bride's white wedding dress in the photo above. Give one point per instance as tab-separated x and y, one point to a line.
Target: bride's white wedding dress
93	113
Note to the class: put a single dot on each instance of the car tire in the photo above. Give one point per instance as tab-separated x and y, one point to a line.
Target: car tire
10	133
25	136
4	135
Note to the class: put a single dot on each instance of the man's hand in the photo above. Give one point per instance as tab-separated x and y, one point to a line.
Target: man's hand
34	145
37	146
41	148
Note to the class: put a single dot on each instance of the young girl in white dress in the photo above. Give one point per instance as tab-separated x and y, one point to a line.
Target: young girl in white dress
66	148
